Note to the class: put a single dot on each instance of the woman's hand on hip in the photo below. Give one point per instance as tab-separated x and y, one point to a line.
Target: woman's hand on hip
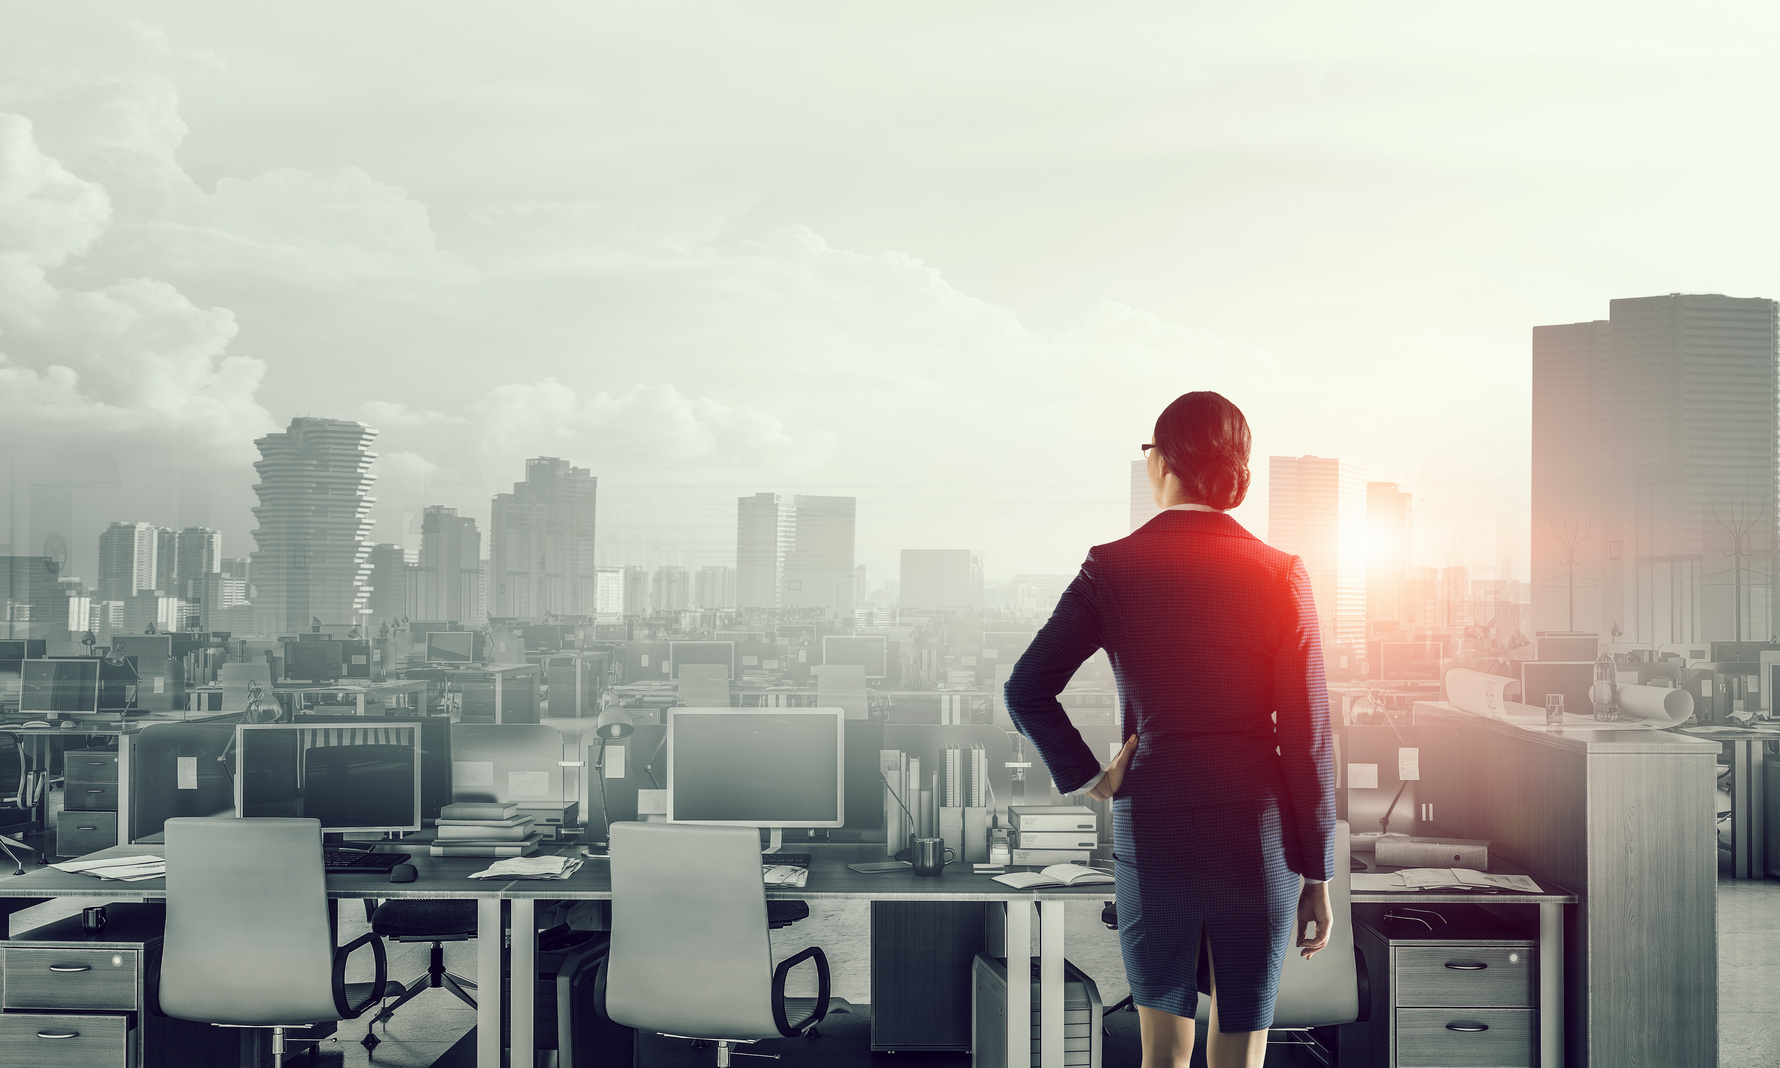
1313	909
1115	772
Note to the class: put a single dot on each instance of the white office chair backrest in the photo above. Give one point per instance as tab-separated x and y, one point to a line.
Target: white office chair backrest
1323	990
247	940
690	954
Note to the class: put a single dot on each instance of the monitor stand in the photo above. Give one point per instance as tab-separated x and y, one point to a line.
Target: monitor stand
775	840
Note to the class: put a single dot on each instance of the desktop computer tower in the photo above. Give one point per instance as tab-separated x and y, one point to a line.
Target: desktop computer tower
570	1005
1082	1040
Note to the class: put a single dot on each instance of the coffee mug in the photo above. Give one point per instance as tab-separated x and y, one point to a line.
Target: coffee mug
930	855
92	918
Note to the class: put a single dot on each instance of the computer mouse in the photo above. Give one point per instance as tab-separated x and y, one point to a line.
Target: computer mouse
403	873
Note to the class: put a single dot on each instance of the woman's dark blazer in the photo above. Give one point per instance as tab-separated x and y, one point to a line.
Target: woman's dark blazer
1213	637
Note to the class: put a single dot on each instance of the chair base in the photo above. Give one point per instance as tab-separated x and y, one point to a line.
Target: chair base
436	977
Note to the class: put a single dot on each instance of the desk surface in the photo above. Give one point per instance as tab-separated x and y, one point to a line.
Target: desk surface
127	726
830	878
1579	735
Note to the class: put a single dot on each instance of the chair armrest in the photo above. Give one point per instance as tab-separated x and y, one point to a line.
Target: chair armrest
786	1028
381	965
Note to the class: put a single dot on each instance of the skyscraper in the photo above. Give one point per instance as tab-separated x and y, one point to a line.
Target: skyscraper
197	552
942	578
541	542
313	558
450	571
1387	553
819	561
128	555
1143	504
33	601
389	585
1316	509
636	590
1654	474
167	561
714	587
763	534
670	589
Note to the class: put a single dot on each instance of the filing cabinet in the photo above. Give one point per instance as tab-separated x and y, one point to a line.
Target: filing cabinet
1451	985
88	819
71	998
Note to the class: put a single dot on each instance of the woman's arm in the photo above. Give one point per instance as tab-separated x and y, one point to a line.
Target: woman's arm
1301	707
1068	638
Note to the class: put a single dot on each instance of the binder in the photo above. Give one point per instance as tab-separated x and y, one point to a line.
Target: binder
952	773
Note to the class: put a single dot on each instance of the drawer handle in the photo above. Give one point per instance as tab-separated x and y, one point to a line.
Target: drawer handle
58	1034
86	828
71	967
96	790
1467	1025
1466	965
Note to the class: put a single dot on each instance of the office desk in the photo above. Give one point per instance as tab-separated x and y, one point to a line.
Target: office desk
412	694
1749	858
440	878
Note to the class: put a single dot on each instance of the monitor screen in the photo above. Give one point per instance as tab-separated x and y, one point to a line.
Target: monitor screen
682	653
12	649
757	767
1738	652
543	638
60	686
357	778
1409	661
451	647
355	658
869	651
435	755
794	631
312	661
1571	678
1567	646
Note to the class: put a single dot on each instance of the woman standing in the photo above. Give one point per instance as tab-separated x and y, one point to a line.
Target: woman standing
1223	794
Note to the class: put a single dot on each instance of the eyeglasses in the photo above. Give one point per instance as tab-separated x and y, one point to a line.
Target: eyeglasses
1146	448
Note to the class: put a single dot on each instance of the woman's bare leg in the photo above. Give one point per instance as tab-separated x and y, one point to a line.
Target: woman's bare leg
1167	1038
1239	1049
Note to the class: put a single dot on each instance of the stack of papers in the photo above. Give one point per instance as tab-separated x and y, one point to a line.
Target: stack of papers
1442	879
530	868
122	869
785	875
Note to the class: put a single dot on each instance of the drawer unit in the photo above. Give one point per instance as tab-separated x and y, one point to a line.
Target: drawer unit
70	978
79	833
43	1040
90	765
1476	1038
1451	985
1493	976
89	797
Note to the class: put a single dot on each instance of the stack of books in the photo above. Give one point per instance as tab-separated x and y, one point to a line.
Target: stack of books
1053	834
484	829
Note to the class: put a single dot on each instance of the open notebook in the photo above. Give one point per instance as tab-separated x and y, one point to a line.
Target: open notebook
1055	875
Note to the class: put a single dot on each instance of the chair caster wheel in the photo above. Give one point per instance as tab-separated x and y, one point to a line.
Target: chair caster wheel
699	1043
370	1042
814	1032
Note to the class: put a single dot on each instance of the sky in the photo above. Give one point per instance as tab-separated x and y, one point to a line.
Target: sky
950	260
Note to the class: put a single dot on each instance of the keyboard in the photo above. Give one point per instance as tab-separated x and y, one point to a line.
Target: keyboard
794	860
347	861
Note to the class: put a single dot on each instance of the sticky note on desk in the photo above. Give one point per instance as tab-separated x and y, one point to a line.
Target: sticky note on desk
1409	763
187	773
652	802
1362	776
614	761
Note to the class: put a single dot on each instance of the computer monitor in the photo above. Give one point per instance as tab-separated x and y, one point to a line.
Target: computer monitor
757	767
355	658
1572	678
1739	652
314	636
719	653
869	651
312	661
1409	661
23	648
451	647
59	687
435	754
543	638
791	632
1567	646
360	778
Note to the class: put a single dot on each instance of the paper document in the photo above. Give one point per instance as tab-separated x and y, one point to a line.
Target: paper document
1412	879
530	868
121	869
784	875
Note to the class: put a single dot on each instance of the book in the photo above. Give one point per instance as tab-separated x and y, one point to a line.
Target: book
1055	875
1024	839
478	810
496	832
1038	858
467	848
510	821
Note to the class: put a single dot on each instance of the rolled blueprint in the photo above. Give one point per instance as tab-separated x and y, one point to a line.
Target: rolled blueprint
1481	693
1659	706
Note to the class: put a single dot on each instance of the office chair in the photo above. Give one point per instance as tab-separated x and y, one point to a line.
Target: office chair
690	954
437	922
248	942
